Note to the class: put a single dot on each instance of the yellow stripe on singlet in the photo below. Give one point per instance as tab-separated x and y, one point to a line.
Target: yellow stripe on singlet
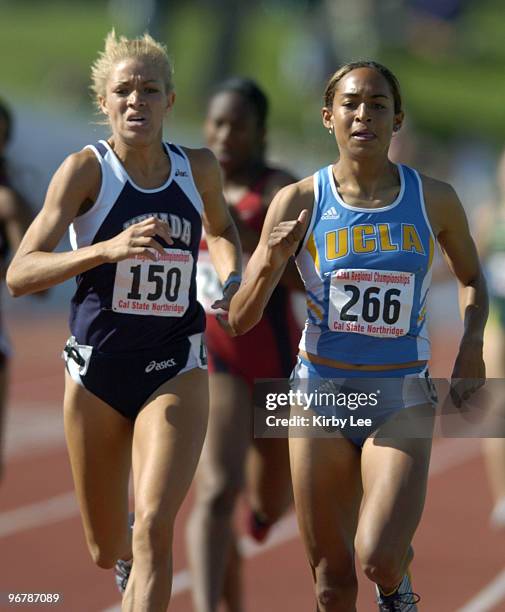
312	249
315	309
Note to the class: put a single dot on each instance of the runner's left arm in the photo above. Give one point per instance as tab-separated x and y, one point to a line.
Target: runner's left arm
220	232
453	234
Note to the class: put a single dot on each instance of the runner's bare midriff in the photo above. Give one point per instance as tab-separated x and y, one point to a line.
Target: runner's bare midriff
357	366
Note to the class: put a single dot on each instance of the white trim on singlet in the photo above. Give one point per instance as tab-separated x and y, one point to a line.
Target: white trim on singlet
423	205
340	200
423	340
191	190
312	221
103	182
83	228
117	164
114	177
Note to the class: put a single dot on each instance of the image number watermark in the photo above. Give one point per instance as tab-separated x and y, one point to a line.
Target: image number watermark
13	598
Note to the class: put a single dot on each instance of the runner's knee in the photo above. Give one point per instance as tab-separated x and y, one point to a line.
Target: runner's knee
382	566
336	588
337	596
104	557
219	494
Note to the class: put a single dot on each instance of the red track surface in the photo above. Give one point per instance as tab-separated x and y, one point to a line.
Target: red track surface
457	554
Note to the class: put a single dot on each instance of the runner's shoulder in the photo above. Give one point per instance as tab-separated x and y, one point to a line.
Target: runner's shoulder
294	198
204	167
81	167
443	205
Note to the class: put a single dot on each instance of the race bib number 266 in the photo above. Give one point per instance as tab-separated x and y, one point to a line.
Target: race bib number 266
371	302
159	288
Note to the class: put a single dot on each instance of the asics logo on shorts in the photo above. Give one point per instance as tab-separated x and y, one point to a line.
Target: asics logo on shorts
160	365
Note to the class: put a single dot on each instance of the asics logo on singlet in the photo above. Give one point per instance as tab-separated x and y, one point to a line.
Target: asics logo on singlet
181	172
331	213
160	365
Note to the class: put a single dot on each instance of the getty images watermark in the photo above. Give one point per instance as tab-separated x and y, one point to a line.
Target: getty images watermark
351	401
414	406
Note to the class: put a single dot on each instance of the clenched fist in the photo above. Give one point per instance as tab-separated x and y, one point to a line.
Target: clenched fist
285	237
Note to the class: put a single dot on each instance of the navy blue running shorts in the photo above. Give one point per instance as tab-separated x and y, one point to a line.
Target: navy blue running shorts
125	381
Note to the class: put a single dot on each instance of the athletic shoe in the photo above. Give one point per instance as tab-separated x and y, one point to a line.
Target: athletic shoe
123	568
258	527
401	600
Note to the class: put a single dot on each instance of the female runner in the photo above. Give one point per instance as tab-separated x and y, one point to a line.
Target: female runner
363	230
136	389
235	130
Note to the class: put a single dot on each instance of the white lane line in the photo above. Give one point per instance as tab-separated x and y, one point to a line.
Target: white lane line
446	455
489	597
32	427
39	514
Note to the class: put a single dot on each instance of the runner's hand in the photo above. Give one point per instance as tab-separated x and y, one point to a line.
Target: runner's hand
285	237
224	302
138	239
469	373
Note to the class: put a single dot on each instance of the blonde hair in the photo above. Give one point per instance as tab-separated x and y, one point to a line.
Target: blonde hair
123	48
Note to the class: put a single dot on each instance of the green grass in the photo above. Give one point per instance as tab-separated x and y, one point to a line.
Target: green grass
46	49
453	96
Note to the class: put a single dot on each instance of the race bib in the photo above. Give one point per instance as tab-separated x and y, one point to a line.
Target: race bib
208	287
160	288
371	302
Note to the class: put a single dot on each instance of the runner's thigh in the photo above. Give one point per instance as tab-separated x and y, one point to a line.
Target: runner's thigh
229	435
167	442
99	444
395	476
327	491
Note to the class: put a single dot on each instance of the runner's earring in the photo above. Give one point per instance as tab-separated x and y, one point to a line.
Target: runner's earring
330	131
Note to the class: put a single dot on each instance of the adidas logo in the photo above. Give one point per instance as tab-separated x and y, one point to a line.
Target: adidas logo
181	172
331	213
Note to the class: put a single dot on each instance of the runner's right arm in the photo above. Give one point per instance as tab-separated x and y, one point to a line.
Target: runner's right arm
284	227
75	184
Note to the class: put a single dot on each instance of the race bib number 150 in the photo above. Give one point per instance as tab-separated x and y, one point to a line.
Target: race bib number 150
371	302
159	288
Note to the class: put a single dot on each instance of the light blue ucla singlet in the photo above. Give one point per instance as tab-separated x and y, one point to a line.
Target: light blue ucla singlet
367	273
